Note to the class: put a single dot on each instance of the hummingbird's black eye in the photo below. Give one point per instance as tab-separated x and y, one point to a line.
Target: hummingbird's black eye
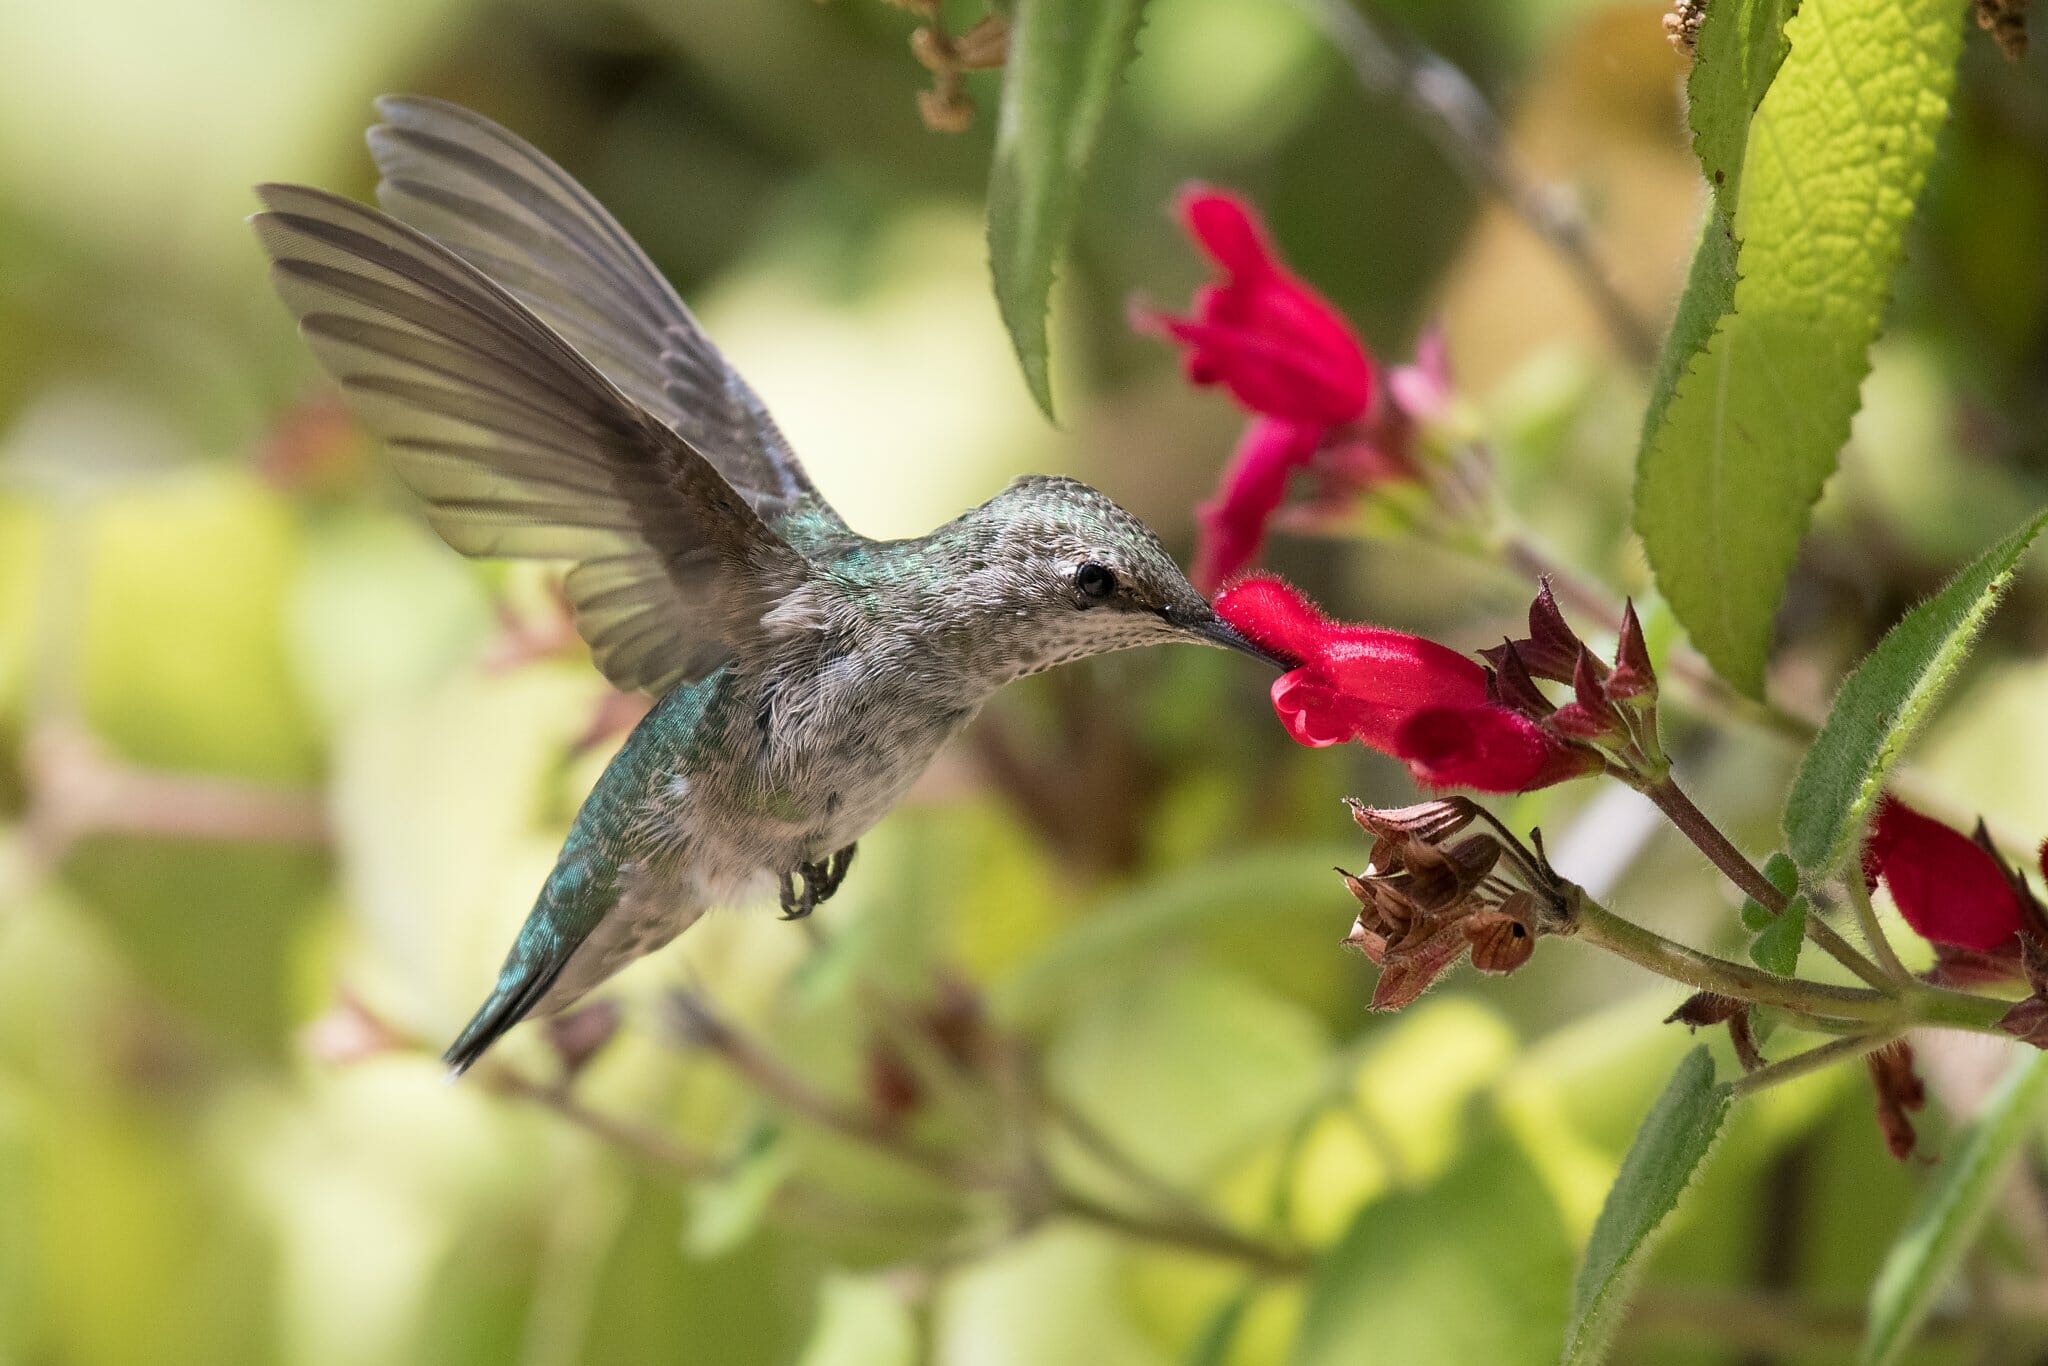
1094	581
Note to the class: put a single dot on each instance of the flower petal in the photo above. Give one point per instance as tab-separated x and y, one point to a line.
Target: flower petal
1233	522
1487	748
1947	888
1227	230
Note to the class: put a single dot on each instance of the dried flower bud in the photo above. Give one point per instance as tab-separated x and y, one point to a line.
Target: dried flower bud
985	45
945	111
2006	22
1431	821
1898	1092
581	1035
1405	976
1503	939
1705	1008
893	1088
1682	25
1438	878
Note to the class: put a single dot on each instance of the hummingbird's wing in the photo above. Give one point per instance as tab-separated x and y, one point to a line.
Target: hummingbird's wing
521	447
500	205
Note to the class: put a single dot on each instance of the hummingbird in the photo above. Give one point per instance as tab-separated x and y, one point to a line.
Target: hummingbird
547	395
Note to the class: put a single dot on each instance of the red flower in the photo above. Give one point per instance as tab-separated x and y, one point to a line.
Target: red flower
1276	344
1414	699
1233	522
1307	377
1949	889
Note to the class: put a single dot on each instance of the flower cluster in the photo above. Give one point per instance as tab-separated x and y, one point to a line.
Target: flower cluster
1454	721
1315	393
1432	893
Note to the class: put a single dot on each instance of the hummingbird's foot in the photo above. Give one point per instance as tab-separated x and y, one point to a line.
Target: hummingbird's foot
796	905
820	880
831	873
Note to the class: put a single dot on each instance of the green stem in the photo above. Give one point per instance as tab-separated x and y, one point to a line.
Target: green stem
1812	1060
1916	1005
1873	932
1669	958
1706	836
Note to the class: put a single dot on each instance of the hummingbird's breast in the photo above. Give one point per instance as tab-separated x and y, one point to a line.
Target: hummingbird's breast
793	761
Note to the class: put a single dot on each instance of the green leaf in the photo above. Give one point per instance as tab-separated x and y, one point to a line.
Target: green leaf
1761	376
1064	60
1739	50
1946	1219
1782	873
1884	702
1670	1147
1776	947
1472	1268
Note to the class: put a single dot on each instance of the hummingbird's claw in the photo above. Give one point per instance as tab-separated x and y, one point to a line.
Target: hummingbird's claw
795	905
820	880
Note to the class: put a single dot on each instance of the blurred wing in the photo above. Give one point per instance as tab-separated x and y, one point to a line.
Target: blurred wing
520	447
516	216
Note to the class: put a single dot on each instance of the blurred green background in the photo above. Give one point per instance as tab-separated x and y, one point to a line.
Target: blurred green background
280	773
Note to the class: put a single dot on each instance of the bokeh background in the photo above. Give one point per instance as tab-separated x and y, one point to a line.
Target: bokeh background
280	773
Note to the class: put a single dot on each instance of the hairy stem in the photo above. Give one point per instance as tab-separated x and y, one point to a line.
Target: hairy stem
1812	1060
1873	932
1824	1003
1722	853
1669	958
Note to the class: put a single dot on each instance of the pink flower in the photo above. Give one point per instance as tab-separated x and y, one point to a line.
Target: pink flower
1421	702
1276	344
1946	885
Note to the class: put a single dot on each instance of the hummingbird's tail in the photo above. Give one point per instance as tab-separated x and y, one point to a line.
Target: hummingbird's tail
517	993
582	888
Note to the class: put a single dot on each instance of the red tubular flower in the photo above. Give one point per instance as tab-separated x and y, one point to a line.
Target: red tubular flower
1276	344
1310	381
1946	886
1421	702
1233	523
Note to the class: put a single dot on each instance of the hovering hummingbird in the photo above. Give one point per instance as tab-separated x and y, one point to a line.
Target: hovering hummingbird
546	393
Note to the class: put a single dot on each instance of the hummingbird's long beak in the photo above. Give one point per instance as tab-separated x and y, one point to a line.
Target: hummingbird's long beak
1217	631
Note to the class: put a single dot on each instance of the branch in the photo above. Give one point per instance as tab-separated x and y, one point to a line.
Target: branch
1451	110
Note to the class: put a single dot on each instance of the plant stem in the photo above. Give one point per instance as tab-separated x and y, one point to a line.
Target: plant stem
1669	958
1450	110
1194	1235
1917	1005
1812	1060
1873	932
1695	825
1192	1229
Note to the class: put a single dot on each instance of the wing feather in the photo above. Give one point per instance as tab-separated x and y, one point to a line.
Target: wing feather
492	199
519	446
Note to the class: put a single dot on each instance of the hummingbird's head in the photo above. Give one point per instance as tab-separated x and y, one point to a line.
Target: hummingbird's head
1061	573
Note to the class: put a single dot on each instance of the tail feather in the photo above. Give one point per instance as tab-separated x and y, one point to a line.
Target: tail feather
520	989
